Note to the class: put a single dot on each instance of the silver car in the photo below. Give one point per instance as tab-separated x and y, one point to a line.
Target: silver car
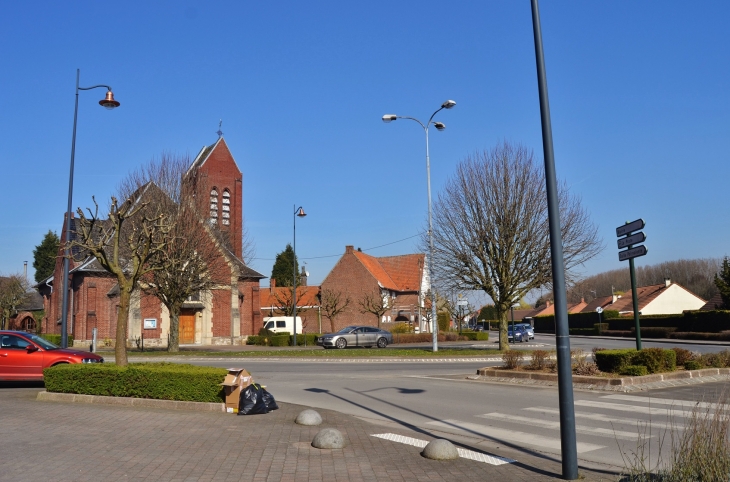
366	336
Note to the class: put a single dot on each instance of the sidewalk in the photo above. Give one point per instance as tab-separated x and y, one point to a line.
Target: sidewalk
96	442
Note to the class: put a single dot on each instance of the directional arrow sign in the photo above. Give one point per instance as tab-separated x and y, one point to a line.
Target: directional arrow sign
632	253
635	238
630	227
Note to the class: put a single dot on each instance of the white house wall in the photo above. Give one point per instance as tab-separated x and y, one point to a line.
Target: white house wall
674	299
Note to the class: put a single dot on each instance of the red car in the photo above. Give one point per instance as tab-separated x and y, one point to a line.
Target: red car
23	356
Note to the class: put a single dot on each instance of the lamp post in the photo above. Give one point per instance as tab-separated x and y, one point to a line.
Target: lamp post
109	103
439	126
297	213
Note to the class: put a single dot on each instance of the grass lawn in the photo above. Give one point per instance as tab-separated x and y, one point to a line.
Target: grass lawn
321	353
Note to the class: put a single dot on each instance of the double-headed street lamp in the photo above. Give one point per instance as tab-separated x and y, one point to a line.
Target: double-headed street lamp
297	213
439	126
108	102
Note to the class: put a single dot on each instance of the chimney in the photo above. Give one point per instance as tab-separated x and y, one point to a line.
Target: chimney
547	303
614	298
349	249
303	277
272	284
667	281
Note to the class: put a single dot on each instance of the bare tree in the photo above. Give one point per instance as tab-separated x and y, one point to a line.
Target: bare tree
13	293
491	229
376	303
194	257
127	244
283	298
333	303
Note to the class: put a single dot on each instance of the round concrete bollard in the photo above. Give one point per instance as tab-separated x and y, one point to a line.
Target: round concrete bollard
440	449
308	417
328	438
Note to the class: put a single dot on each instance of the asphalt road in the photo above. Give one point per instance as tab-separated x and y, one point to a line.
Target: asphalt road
436	397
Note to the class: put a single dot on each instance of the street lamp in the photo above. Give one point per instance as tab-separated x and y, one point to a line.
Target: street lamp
439	126
109	103
297	213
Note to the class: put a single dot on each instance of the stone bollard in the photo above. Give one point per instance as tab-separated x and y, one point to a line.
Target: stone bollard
328	438
440	449
308	417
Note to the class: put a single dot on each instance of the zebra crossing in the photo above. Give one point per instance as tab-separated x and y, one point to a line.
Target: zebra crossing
599	423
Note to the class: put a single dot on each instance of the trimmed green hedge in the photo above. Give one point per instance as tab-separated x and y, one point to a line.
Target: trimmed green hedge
655	360
162	381
56	339
311	339
476	335
634	371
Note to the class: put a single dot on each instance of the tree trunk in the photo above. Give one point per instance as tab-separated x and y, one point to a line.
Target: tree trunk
120	348
503	340
174	345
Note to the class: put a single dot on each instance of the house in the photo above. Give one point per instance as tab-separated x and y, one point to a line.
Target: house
714	303
224	315
398	283
661	299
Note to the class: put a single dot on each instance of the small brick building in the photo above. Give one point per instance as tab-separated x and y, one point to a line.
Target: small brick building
403	279
225	315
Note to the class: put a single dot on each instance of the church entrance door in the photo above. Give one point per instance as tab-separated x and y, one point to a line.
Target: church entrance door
187	327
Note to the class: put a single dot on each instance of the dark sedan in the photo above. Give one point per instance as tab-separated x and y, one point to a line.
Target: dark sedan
366	336
23	356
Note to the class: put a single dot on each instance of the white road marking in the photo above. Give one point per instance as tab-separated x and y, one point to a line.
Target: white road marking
633	408
636	422
584	429
665	401
463	453
521	438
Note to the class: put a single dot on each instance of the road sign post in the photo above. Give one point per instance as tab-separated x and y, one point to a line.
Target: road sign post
599	310
632	252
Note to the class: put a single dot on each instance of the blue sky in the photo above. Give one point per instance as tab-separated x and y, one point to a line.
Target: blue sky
638	94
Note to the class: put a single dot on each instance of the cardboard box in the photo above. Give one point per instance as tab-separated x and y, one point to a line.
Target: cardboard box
236	380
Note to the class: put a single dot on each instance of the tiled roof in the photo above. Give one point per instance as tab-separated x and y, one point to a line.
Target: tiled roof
645	295
604	302
306	296
397	273
714	304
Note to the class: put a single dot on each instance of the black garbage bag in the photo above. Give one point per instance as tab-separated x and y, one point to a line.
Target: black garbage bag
268	400
251	401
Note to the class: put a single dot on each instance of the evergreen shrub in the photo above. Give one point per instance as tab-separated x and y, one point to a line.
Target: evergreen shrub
161	381
634	371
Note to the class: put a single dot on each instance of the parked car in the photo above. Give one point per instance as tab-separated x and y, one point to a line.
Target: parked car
520	334
23	356
366	336
528	328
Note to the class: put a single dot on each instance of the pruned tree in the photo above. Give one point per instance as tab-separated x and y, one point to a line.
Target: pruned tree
193	258
374	302
44	256
13	293
491	229
283	300
127	244
722	280
333	303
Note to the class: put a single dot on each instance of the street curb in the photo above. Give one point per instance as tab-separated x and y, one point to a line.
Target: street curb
587	380
45	396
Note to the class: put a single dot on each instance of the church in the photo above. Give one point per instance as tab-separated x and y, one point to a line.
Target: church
225	315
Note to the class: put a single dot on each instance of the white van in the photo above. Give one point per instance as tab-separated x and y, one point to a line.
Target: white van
279	324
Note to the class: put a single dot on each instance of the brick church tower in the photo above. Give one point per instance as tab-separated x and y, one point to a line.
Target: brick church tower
219	185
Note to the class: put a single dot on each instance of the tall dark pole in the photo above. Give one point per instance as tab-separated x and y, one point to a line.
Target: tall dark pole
294	278
635	303
568	444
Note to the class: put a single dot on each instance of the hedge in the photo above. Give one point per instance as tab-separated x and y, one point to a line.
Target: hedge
56	339
310	338
654	359
546	323
162	381
476	335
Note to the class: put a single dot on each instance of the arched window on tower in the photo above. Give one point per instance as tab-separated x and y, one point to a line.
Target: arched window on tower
226	207
213	206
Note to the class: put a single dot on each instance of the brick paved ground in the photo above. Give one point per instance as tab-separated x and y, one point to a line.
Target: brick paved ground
94	442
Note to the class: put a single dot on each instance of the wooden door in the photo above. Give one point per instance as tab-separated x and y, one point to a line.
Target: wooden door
187	327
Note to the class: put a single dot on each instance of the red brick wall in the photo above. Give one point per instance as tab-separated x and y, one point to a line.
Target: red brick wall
221	313
350	277
250	312
151	307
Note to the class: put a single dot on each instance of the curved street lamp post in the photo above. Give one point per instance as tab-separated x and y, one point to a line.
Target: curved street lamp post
297	213
109	103
439	126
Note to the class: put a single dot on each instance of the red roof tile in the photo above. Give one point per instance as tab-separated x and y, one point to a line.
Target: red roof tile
306	296
397	273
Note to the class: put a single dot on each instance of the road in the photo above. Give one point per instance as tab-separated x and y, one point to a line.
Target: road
435	397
